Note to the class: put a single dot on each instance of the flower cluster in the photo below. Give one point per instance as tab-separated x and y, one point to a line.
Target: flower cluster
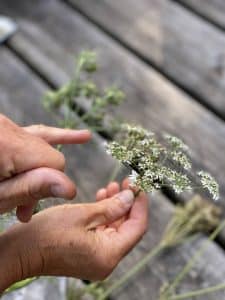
209	183
99	103
157	164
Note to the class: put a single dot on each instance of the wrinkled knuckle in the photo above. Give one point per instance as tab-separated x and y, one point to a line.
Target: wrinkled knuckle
41	128
7	167
111	210
32	194
119	204
109	213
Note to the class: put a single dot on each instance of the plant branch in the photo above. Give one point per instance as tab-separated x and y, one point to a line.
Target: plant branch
140	265
201	292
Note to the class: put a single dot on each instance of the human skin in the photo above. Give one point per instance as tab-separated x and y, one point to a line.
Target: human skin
30	168
85	241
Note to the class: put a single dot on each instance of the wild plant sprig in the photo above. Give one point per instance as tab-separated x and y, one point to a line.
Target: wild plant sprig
189	219
80	87
157	164
167	291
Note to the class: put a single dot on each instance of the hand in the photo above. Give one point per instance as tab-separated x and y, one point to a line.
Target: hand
30	169
80	240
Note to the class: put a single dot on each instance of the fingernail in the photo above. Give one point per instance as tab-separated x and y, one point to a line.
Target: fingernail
57	191
127	197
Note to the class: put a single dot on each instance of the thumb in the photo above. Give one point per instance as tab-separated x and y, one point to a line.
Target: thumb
26	189
110	210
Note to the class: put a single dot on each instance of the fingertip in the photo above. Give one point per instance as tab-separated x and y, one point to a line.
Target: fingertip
54	135
140	209
70	190
101	194
47	182
24	213
112	189
83	136
125	184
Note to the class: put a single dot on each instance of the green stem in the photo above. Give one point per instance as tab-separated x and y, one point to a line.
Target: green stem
69	99
85	117
141	264
20	285
115	172
199	292
193	260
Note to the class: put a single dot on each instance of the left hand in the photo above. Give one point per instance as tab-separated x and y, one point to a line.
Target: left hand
30	168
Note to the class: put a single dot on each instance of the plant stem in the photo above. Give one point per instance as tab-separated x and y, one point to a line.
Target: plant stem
193	260
132	272
115	172
20	285
199	292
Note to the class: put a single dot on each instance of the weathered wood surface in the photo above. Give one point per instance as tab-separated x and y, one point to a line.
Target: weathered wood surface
50	35
20	92
183	46
213	10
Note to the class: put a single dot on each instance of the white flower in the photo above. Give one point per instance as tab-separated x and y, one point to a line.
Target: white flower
133	177
181	159
156	165
209	183
175	142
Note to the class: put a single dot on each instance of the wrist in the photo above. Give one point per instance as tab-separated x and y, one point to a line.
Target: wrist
10	268
17	259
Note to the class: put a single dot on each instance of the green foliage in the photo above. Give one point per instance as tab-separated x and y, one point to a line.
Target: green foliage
96	113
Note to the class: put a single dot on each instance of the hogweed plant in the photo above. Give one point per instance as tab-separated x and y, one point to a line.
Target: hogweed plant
157	164
95	110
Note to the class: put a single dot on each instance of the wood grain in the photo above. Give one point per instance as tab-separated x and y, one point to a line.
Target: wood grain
180	44
213	10
152	100
20	92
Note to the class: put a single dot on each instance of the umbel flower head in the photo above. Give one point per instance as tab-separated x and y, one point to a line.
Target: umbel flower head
157	164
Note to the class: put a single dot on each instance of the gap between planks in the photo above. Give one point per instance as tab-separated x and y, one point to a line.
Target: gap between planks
191	56
201	14
144	57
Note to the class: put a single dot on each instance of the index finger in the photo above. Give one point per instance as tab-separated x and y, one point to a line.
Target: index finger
53	135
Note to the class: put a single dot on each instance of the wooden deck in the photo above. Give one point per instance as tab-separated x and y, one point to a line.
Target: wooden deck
169	57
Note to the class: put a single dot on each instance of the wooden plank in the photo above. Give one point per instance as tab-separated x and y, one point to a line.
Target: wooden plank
213	10
180	44
21	92
153	101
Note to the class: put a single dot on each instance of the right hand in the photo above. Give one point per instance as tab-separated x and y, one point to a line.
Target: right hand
85	241
30	168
